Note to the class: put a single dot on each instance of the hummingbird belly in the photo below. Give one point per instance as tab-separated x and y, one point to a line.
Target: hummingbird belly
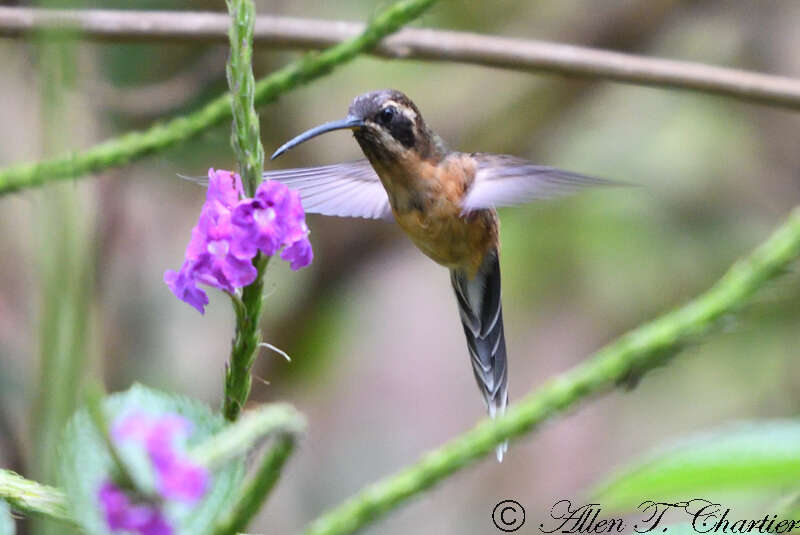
450	239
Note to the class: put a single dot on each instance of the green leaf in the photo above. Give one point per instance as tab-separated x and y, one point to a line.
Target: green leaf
750	456
85	462
6	522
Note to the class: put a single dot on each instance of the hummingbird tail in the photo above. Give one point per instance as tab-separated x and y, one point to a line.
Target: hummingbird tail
482	318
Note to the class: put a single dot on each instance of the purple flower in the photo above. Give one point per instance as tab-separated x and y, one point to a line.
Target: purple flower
230	233
255	229
178	477
183	285
274	218
123	515
181	480
208	256
224	187
299	253
209	251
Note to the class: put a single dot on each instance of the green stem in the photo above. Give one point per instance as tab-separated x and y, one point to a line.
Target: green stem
246	340
240	437
65	258
134	145
246	136
33	498
246	142
259	487
628	357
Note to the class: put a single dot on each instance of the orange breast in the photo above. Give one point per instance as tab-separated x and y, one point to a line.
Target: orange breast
434	221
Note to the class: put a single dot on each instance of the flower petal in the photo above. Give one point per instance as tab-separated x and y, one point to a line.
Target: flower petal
184	287
121	514
240	273
299	254
224	187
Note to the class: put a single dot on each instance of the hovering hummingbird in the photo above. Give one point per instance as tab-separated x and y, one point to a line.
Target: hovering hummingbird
444	201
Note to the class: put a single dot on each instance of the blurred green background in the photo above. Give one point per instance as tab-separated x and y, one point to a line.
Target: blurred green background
379	361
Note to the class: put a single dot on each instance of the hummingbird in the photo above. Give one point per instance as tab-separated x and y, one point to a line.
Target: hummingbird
444	200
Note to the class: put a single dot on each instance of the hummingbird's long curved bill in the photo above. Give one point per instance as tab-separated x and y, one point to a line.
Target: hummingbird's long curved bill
348	122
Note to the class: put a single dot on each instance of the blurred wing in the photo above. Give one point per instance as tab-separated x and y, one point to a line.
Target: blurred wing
502	180
349	189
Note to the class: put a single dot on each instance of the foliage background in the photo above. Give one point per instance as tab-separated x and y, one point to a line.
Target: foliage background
379	364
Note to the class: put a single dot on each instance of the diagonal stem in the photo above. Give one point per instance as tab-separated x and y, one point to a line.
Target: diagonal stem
258	488
134	145
33	498
630	356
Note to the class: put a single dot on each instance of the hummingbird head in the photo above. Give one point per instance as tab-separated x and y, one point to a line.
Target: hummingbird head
388	127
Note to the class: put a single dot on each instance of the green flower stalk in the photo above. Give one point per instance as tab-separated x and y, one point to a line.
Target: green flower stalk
246	342
267	212
246	135
246	141
258	488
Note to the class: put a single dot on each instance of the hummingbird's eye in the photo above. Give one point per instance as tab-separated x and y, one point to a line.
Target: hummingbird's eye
387	114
